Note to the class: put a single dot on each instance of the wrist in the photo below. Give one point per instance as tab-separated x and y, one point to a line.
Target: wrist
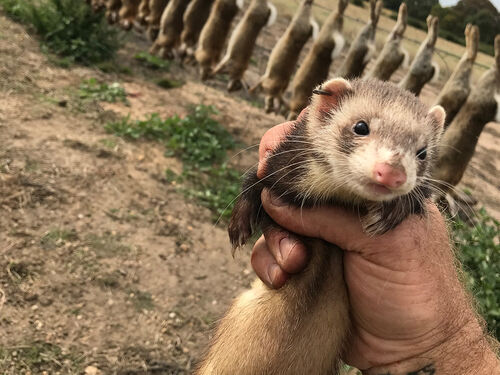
469	351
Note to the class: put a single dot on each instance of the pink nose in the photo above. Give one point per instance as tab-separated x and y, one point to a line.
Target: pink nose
389	176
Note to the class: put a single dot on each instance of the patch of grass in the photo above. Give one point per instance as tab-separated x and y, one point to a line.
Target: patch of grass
106	245
57	237
167	84
197	139
479	252
100	91
141	300
202	143
152	61
39	357
113	66
67	28
108	143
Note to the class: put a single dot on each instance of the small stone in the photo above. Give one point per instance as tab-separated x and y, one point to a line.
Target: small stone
172	315
92	370
184	247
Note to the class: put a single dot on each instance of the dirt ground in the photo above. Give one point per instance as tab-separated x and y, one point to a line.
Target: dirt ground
102	262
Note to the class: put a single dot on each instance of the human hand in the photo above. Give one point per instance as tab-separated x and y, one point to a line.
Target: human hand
407	303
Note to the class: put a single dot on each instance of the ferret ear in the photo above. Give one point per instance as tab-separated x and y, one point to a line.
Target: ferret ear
327	95
438	114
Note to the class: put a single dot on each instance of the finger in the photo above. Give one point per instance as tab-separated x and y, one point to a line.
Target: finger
270	141
287	250
266	267
332	224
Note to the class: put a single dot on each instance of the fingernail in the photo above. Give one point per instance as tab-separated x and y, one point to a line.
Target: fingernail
272	273
286	246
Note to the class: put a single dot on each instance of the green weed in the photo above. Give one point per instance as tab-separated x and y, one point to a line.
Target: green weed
57	237
67	28
167	84
94	90
106	245
38	357
141	300
152	61
479	250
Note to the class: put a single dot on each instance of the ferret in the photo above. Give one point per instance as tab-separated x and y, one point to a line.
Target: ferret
142	14
260	13
112	9
195	17
214	34
156	8
128	12
422	70
366	145
316	65
285	55
454	94
363	47
169	35
392	55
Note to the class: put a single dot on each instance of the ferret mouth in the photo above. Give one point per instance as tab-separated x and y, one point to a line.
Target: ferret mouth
379	189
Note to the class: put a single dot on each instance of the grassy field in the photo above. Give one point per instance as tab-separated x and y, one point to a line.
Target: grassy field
447	53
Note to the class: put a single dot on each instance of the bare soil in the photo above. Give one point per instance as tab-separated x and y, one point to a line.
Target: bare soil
102	262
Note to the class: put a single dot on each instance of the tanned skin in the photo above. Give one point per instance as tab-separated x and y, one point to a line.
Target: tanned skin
392	55
454	94
282	332
242	43
214	35
284	57
316	65
363	47
422	70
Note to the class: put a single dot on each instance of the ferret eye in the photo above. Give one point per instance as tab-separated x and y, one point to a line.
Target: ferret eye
422	153
361	128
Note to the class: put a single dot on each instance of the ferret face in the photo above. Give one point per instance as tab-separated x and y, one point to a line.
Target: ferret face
375	144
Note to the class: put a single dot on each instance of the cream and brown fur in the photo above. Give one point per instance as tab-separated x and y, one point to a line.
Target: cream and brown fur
112	9
214	34
460	139
284	57
156	8
422	69
363	47
171	24
195	17
392	55
128	13
303	327
97	5
141	20
242	41
454	94
316	65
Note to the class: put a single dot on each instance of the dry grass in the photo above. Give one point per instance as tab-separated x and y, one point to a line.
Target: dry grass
447	53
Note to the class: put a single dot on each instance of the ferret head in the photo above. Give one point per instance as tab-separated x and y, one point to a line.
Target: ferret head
374	141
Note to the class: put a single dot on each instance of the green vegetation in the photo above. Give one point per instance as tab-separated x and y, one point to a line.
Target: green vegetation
152	61
67	28
141	300
167	84
454	19
202	144
479	251
57	237
100	91
37	358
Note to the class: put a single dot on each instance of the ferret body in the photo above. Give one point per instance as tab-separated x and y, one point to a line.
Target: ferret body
142	15
457	89
243	39
112	9
316	65
156	8
392	55
214	34
195	17
422	70
171	23
366	145
128	12
285	55
363	47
